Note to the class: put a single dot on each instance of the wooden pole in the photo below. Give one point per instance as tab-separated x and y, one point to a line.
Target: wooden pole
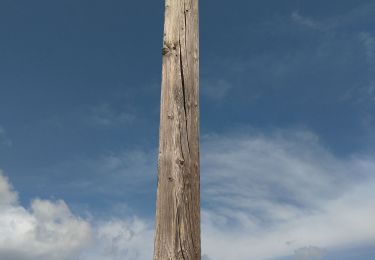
177	234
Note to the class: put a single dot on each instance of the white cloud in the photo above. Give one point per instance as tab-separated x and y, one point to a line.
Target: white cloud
309	253
48	230
7	195
122	239
263	197
268	196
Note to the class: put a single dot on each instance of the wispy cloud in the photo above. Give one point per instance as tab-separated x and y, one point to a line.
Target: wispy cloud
216	89
106	116
4	138
369	43
368	40
282	192
308	22
108	173
361	12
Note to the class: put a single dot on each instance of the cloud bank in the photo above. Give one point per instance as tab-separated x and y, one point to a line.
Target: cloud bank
263	197
48	230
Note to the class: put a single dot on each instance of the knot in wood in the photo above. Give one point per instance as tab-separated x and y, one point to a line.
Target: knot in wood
169	47
180	161
165	50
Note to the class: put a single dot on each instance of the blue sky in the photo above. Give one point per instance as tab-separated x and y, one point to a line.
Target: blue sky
287	128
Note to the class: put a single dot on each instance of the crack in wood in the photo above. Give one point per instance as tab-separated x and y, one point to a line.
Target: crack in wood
183	85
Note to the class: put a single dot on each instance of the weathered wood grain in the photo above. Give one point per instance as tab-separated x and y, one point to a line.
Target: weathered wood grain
177	234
